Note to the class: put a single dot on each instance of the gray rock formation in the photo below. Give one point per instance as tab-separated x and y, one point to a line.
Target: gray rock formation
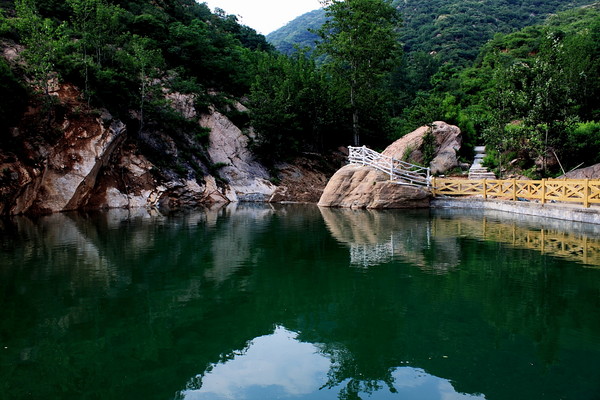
247	179
591	172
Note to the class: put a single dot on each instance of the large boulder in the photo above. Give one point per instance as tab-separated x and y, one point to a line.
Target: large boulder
591	172
355	186
447	143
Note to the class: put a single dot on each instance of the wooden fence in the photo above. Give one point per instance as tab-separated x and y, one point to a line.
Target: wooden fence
584	191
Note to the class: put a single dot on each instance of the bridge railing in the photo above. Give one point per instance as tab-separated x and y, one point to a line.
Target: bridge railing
583	191
399	171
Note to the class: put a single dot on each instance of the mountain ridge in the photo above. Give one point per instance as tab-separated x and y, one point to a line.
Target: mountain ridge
454	30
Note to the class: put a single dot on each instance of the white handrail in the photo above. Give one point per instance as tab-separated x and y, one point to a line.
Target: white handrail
399	171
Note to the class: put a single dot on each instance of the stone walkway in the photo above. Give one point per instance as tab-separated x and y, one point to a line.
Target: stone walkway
477	170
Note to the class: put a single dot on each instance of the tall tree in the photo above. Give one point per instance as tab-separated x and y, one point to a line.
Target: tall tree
361	41
146	61
95	24
43	41
291	105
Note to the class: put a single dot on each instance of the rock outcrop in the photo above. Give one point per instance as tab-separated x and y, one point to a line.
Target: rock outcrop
248	180
591	172
63	155
78	158
59	175
356	186
448	140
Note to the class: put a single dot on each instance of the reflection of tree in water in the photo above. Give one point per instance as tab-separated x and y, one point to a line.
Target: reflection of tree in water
378	237
345	371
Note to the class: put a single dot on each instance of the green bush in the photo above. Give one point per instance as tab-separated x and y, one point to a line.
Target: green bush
583	142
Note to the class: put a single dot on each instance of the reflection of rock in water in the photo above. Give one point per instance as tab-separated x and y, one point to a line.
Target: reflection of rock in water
234	243
377	237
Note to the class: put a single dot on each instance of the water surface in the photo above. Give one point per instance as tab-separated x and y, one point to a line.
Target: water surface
297	302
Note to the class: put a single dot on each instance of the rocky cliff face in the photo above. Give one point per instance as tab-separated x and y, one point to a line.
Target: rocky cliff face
73	158
53	161
228	147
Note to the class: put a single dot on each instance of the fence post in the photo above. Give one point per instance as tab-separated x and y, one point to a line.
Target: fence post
543	201
514	187
586	198
485	189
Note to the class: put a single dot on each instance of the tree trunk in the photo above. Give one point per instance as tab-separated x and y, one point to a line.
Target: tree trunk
355	128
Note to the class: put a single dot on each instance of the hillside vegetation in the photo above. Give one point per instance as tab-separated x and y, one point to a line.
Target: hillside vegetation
519	76
455	29
512	74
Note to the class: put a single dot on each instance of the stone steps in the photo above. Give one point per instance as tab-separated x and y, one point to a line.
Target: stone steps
482	175
477	170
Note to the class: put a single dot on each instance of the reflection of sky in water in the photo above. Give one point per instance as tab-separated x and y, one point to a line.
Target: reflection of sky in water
278	366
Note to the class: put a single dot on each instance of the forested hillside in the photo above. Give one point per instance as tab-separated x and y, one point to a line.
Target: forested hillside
521	77
532	96
512	75
455	29
108	47
132	57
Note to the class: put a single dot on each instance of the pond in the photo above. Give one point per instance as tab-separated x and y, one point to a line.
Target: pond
256	301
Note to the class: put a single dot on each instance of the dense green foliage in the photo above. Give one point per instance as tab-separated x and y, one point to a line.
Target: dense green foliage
454	29
531	91
294	108
531	94
121	53
298	33
527	91
361	47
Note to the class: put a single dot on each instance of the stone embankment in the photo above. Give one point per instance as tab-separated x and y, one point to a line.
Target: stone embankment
567	212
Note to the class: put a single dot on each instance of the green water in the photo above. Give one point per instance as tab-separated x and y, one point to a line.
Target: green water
261	302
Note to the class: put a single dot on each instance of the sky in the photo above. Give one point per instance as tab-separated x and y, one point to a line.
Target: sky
264	16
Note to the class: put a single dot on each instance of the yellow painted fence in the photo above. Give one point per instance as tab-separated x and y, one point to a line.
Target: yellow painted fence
583	191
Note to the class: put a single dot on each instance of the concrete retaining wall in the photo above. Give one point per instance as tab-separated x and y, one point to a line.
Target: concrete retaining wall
566	212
